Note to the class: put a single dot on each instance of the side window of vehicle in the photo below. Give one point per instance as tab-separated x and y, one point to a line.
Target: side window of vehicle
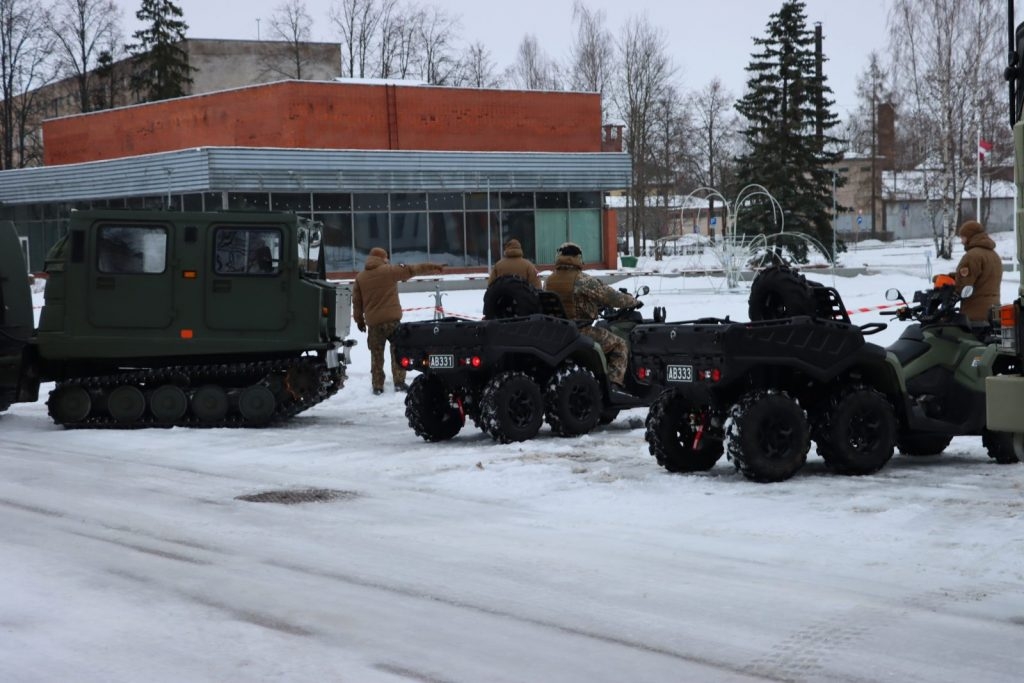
131	249
247	251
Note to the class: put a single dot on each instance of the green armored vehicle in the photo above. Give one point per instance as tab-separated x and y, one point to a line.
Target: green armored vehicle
155	318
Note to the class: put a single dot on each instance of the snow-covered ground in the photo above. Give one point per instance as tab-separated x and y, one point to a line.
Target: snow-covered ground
127	556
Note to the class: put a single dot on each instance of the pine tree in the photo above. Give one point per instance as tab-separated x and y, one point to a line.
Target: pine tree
162	70
787	108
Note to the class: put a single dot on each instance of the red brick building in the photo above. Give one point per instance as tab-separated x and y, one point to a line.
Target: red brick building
431	173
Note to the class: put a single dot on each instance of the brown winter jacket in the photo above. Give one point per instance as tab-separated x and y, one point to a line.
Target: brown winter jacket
514	264
375	292
982	268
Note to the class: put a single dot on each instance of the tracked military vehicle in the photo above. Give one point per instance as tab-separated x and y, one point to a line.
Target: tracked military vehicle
155	318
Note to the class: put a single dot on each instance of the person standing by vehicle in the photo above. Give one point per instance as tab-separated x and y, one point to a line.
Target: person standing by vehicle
981	268
514	263
377	310
582	297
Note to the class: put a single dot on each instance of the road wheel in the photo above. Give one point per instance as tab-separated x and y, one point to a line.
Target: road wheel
126	403
572	401
779	292
430	411
608	416
511	408
856	431
209	404
256	404
768	436
1001	447
673	425
168	403
922	443
69	403
510	296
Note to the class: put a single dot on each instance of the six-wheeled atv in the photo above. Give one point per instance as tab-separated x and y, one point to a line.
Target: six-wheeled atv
510	374
763	390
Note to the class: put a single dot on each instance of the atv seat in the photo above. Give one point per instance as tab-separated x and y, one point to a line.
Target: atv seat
551	304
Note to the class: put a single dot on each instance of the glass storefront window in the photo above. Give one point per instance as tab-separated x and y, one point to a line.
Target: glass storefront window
552	200
370	202
585	200
213	201
478	201
409	238
296	202
337	242
412	201
332	201
477	232
249	200
445	201
447	240
516	200
370	230
519	225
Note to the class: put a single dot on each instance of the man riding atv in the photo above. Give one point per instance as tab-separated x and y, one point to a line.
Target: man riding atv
582	297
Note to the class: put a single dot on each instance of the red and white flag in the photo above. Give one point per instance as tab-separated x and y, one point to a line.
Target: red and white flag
984	147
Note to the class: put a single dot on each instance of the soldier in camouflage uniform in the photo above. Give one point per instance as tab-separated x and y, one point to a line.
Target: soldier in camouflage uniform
583	296
377	311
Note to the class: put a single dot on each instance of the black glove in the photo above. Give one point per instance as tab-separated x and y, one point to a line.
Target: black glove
361	326
639	305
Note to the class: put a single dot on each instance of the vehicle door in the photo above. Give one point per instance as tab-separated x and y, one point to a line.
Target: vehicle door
248	287
130	282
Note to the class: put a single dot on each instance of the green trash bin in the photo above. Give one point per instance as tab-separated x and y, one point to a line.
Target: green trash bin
628	261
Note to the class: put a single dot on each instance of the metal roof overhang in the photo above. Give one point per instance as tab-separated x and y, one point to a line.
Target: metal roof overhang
245	169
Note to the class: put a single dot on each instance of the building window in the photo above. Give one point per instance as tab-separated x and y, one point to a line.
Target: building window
129	249
251	251
296	202
259	201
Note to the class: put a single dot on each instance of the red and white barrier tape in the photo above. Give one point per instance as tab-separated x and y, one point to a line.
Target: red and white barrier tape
871	309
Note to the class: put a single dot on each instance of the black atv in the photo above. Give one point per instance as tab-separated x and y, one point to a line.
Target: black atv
800	370
523	364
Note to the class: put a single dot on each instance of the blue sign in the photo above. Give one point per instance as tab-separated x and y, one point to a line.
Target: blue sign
714	221
860	220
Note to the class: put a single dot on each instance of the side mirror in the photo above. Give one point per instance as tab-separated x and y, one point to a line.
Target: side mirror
893	294
644	291
967	291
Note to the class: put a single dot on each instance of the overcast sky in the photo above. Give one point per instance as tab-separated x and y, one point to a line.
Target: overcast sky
707	39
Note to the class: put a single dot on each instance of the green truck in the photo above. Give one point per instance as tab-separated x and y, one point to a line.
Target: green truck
159	318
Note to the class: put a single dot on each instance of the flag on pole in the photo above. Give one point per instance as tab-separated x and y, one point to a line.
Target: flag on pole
984	147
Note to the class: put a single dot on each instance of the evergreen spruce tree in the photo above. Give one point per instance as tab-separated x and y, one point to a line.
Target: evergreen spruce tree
161	70
788	114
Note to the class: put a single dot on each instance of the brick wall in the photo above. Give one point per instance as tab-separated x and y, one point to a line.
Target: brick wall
304	114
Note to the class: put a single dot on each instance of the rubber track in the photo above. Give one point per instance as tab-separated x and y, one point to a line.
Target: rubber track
232	377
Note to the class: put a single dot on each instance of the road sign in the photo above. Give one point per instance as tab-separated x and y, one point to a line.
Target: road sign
714	221
860	220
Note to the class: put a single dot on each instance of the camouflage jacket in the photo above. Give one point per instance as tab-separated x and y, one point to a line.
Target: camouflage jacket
589	294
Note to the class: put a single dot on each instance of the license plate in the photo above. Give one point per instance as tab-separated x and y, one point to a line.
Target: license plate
441	361
679	373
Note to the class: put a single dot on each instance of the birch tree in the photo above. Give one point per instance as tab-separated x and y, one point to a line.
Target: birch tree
946	54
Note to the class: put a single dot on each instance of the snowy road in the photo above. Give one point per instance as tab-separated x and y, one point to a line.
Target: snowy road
127	556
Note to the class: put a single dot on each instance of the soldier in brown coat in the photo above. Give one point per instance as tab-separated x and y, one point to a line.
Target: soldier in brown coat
980	267
377	310
514	263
